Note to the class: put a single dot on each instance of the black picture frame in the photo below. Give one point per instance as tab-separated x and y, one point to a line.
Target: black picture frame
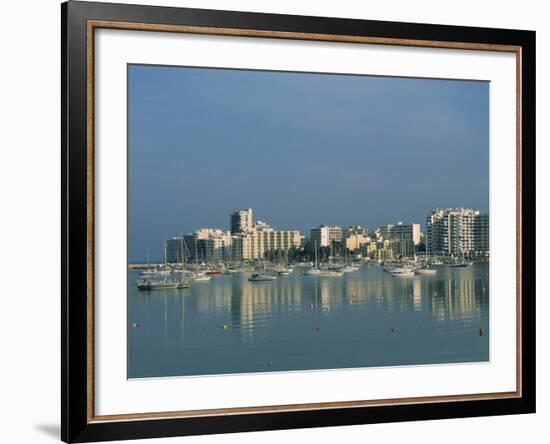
76	424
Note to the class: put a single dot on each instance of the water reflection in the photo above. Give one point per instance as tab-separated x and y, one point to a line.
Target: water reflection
227	324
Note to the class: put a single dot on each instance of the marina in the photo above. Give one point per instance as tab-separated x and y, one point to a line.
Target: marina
300	321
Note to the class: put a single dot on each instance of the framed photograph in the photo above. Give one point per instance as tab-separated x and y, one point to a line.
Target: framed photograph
275	221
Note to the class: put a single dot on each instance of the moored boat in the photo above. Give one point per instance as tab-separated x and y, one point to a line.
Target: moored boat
148	284
261	277
329	273
426	271
201	278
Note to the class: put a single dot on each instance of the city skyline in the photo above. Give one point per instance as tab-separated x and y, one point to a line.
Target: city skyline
449	232
301	149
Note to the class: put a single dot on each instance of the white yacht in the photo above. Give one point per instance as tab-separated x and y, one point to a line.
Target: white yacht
402	273
426	271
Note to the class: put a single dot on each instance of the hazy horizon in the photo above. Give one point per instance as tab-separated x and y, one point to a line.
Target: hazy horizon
300	149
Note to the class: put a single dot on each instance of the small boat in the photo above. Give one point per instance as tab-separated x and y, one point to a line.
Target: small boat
183	283
201	278
399	269
404	273
147	284
283	272
149	272
213	272
458	265
329	273
261	277
426	271
348	269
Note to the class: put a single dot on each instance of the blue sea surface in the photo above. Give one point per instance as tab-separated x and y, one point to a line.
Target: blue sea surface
365	318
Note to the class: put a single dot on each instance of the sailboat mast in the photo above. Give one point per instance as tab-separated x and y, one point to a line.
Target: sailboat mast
316	264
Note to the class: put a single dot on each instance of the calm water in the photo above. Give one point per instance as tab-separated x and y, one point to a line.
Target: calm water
365	318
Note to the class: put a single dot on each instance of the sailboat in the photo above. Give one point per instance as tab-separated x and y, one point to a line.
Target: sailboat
199	276
458	264
426	270
149	284
322	273
262	277
284	269
348	268
313	271
183	282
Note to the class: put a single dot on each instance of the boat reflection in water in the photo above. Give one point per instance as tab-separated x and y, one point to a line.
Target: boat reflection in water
298	322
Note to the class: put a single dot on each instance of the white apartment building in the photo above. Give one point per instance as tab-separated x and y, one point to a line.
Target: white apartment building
241	221
255	243
457	232
324	235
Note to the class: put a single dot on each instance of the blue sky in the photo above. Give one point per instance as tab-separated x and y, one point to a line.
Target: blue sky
301	149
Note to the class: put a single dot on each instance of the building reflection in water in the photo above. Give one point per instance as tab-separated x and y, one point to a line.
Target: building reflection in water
453	294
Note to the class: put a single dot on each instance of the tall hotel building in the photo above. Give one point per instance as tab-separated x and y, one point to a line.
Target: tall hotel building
324	235
241	221
457	232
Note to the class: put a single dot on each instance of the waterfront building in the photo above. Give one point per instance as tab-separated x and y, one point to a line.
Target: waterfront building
384	231
262	239
356	229
325	235
252	240
355	241
404	238
457	232
385	250
481	235
355	236
205	245
241	221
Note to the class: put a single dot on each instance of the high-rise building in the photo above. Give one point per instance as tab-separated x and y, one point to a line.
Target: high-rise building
325	235
384	231
457	232
404	238
241	221
481	235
